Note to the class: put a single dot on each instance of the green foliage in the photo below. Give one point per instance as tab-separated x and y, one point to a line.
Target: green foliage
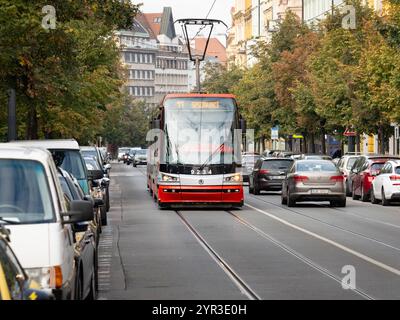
65	78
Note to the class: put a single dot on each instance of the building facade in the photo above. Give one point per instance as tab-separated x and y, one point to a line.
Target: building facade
155	58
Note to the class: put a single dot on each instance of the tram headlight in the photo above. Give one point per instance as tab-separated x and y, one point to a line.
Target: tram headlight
168	178
235	178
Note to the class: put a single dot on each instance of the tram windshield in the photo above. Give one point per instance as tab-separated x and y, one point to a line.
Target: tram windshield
200	131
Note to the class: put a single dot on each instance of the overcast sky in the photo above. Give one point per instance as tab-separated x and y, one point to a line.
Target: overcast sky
192	9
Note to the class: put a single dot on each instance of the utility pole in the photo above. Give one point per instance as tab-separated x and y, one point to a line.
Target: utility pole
12	116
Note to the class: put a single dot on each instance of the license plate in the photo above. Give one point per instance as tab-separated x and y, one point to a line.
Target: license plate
277	177
319	191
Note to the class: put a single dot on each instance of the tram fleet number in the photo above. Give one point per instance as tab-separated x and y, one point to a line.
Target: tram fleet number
201	309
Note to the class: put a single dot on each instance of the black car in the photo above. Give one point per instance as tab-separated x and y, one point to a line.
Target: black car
268	174
14	283
85	233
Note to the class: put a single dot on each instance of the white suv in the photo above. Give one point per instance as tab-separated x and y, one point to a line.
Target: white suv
33	208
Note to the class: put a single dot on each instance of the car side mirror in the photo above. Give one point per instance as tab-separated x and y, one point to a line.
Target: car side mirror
156	124
80	211
105	182
107	166
95	174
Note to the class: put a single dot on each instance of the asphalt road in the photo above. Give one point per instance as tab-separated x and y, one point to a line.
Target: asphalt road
263	251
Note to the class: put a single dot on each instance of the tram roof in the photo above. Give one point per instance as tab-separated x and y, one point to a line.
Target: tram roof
199	95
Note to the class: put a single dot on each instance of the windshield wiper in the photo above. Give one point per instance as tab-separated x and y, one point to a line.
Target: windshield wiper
9	221
211	156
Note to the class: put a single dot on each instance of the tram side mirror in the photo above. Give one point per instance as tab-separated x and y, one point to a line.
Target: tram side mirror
243	125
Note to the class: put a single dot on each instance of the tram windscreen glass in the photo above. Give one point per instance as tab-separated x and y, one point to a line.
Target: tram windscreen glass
199	131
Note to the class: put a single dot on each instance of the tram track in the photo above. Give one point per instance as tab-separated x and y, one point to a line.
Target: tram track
354	233
232	274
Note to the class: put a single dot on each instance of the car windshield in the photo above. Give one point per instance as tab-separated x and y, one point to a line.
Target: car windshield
276	164
89	153
376	167
25	196
250	159
70	161
91	163
318	166
350	163
123	150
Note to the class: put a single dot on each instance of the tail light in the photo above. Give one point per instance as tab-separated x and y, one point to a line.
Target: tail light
337	178
263	171
394	178
298	179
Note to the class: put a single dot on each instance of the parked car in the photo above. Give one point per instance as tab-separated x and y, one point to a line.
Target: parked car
95	153
140	157
268	174
313	180
268	153
248	162
345	164
66	154
85	236
99	185
14	282
386	185
33	207
363	173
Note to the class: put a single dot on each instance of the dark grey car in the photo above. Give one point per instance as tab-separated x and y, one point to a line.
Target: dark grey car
268	174
314	180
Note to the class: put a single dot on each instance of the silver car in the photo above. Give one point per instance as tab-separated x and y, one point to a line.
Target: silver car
314	180
345	164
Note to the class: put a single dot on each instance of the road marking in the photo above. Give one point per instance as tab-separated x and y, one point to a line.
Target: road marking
338	245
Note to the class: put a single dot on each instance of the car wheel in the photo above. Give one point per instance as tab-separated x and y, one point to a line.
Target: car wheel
103	216
373	199
364	196
108	199
353	192
256	189
348	190
283	199
341	203
92	293
385	202
290	201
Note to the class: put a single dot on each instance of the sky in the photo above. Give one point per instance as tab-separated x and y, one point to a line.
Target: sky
192	9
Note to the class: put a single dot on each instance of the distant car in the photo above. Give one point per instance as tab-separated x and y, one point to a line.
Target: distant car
268	153
345	164
140	157
248	162
313	180
363	173
285	154
121	153
268	174
315	157
14	282
386	185
100	157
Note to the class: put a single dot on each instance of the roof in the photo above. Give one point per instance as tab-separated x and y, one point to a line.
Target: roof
144	23
161	23
154	26
215	49
70	144
10	151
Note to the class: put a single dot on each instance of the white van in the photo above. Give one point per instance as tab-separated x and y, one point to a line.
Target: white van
33	208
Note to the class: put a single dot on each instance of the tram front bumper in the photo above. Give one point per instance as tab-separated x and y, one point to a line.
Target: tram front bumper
201	194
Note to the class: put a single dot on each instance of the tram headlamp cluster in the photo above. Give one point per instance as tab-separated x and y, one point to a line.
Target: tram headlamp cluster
168	178
237	177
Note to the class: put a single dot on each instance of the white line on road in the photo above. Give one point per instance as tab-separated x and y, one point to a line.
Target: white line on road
338	245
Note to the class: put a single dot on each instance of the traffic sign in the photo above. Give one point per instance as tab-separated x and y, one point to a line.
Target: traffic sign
348	133
274	133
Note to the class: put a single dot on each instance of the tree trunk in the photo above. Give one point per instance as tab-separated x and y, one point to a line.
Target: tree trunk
32	127
381	140
312	142
323	142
